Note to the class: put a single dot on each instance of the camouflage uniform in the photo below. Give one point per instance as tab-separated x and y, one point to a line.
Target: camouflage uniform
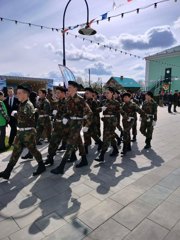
96	118
44	121
59	129
146	128
93	130
128	122
26	137
110	123
76	109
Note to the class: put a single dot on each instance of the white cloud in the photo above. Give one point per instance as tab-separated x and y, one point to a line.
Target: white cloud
177	24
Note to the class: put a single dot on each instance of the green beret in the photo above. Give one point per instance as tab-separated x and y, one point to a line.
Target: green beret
73	83
126	94
89	89
149	93
62	89
111	89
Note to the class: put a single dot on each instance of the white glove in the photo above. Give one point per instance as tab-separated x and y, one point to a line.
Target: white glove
64	121
154	123
129	119
13	113
148	120
104	108
36	109
54	112
85	129
85	117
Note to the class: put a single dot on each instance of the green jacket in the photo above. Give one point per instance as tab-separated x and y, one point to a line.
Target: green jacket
3	115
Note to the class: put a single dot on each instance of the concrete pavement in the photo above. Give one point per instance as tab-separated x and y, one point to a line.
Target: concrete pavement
136	197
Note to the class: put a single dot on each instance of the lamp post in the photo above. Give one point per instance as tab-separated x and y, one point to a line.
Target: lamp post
84	31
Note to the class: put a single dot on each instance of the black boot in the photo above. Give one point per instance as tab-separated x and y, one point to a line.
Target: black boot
124	150
73	157
49	160
129	147
7	172
62	147
39	143
60	168
115	152
28	156
100	143
133	139
100	158
148	144
83	162
118	141
41	168
86	148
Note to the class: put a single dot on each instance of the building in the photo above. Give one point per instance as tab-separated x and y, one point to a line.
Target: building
36	83
163	71
123	84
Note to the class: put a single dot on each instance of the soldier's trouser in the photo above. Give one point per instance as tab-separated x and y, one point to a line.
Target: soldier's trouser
73	138
43	124
92	133
134	128
81	146
25	139
109	133
56	138
126	131
146	129
97	122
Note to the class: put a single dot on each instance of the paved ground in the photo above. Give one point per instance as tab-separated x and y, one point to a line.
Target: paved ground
136	197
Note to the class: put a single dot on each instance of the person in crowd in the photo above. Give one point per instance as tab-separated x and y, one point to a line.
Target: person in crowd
170	101
4	119
26	134
12	104
175	100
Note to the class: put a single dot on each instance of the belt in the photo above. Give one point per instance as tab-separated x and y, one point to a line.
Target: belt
58	120
76	118
25	129
108	115
45	115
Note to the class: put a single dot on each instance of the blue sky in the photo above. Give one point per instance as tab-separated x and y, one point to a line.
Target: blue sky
29	51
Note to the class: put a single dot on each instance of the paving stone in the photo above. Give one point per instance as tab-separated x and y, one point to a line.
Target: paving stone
88	201
127	195
167	214
50	223
174	234
172	181
147	230
81	189
155	195
28	233
71	231
110	230
101	193
133	214
7	227
100	213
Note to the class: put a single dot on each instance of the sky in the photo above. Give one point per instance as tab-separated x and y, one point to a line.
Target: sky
34	52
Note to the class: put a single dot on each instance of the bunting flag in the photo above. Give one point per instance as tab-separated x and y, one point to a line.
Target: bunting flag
104	16
67	75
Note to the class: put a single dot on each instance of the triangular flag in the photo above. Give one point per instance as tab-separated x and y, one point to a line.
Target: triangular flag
104	16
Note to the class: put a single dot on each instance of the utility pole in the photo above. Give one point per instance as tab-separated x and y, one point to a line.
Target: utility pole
89	71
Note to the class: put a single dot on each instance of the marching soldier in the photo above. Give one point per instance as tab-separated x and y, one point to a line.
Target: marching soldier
59	130
130	108
92	131
96	117
110	110
149	121
76	109
118	98
44	121
26	134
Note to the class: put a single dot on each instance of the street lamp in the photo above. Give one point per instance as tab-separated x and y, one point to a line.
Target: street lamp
87	30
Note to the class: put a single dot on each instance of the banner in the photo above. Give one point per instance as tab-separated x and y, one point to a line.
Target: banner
67	75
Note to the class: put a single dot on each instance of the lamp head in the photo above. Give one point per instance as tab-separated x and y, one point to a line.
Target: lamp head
87	31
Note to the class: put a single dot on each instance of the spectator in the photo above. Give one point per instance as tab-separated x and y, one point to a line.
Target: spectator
175	100
12	104
170	101
3	122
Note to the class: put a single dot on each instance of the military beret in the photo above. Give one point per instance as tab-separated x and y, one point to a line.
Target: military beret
73	83
62	89
25	87
111	89
149	93
126	94
89	89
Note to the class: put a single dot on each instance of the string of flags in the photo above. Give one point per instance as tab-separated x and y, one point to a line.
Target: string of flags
102	17
104	46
